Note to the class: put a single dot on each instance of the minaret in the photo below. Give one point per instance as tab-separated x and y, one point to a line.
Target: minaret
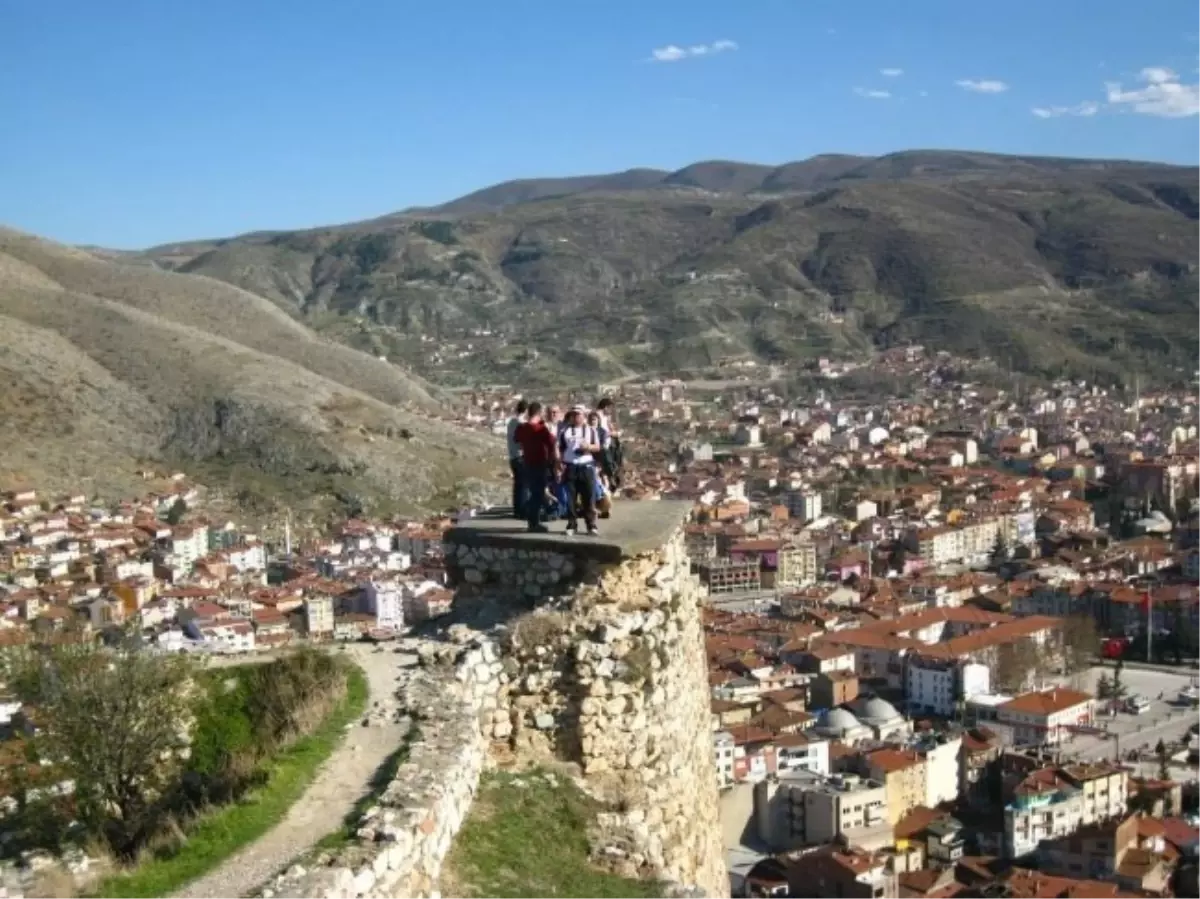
287	535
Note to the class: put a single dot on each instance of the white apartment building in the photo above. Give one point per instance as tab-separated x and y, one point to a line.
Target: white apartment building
248	557
230	637
1056	802
941	769
187	544
318	617
934	686
971	542
133	568
384	600
802	752
723	751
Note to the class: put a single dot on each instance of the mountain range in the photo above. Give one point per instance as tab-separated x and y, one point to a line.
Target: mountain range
1049	265
297	366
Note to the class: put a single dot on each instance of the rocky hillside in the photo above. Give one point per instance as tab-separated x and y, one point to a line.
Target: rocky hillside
107	366
1048	265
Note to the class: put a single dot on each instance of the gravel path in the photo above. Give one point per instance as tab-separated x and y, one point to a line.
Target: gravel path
342	781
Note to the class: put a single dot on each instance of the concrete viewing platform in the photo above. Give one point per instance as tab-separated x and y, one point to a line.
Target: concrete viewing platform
635	527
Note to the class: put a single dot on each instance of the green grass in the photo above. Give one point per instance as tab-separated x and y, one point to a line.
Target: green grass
527	837
214	837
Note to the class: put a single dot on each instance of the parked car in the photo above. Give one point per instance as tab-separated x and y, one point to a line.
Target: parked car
1136	705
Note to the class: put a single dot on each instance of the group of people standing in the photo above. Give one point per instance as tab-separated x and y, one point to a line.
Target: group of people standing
576	457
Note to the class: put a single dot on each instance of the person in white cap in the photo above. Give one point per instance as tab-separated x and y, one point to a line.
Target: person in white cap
578	448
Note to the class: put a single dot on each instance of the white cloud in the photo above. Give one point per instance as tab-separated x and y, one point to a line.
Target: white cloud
674	53
1157	75
985	86
1162	95
1086	108
891	73
873	94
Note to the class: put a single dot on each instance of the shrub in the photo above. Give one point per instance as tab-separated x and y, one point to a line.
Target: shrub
538	628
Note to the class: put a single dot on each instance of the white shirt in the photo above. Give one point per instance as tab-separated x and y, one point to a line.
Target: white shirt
572	441
514	448
606	423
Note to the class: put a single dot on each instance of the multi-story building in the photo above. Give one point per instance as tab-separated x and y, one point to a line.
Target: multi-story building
970	542
1046	717
701	543
941	752
318	617
832	688
1053	802
902	773
978	756
384	600
935	686
248	557
804	505
802	752
723	751
187	544
797	565
1114	850
727	576
804	809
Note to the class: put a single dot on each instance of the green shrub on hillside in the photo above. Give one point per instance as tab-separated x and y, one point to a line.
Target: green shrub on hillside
149	740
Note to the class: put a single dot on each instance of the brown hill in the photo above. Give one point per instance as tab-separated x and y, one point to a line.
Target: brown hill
105	366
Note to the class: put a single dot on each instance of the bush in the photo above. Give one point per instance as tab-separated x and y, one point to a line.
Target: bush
250	714
149	740
538	628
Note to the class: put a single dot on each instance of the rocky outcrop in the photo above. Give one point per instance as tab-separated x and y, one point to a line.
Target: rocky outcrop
558	656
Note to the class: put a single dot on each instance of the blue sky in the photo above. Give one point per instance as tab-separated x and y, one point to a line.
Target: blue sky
136	122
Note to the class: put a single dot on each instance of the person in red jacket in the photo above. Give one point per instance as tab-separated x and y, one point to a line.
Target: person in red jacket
539	455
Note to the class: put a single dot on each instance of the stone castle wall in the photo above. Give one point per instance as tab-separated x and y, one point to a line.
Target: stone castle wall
557	655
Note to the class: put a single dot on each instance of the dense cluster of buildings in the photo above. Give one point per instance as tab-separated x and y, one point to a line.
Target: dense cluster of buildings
896	597
184	582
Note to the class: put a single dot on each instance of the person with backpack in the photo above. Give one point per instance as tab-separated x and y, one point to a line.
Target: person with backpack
578	449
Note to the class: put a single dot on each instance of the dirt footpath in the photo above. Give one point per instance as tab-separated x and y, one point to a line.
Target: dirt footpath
342	781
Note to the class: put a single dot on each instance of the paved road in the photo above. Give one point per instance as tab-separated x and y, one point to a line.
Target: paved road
1165	720
343	780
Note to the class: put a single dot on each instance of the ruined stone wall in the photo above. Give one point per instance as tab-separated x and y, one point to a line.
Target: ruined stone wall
613	676
448	687
555	655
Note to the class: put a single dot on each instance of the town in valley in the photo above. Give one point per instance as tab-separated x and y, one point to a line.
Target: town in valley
951	633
